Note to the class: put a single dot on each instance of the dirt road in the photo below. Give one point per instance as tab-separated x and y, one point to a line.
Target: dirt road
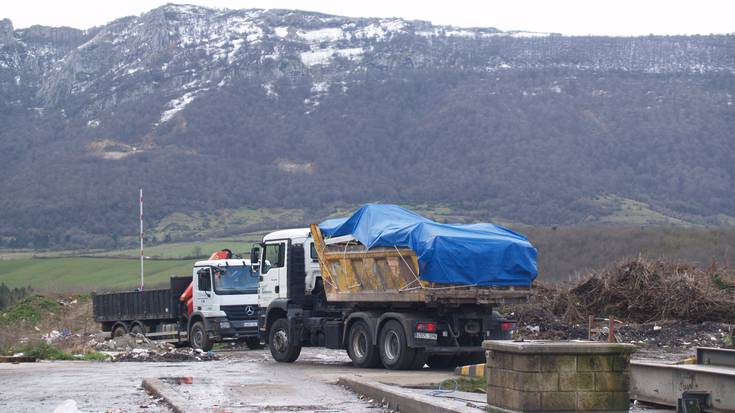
243	381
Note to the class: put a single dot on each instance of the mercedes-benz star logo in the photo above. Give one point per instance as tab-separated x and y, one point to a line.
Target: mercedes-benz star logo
249	310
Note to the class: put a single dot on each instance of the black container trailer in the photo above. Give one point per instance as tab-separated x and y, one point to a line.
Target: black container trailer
155	313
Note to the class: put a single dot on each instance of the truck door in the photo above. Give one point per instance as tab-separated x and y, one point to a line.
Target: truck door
203	290
273	272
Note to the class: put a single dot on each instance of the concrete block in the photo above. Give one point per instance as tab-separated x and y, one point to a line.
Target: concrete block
500	360
606	401
558	363
558	401
594	362
526	362
492	394
620	401
516	400
535	381
521	380
612	381
621	362
558	376
575	381
501	377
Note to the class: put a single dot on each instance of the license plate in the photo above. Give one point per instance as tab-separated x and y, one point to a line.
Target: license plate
426	336
243	324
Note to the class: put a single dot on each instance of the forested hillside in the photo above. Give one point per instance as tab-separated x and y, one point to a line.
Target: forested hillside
225	109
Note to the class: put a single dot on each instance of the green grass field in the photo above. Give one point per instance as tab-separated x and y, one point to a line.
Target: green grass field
187	250
76	274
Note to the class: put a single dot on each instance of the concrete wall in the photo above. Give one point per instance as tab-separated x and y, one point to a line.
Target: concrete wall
538	376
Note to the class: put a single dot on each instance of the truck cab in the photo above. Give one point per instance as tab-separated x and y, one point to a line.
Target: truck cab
225	303
277	249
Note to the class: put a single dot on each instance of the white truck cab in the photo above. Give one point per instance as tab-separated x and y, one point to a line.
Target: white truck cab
272	259
225	302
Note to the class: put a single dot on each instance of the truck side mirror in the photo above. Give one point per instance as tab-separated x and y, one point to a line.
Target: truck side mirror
254	255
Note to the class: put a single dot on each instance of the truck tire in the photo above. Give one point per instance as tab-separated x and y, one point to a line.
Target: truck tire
136	329
394	351
253	343
360	348
441	362
198	337
282	347
119	331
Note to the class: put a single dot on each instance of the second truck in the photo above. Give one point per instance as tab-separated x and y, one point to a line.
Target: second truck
222	305
375	301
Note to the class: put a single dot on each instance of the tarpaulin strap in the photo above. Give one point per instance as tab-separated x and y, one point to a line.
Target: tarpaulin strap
415	276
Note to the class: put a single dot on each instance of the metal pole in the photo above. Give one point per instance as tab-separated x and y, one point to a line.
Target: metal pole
590	321
141	240
611	334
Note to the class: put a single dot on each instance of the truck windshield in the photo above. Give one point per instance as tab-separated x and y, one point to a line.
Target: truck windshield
235	280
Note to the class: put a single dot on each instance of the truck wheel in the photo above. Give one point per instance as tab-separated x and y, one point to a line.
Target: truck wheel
360	348
136	329
282	347
394	351
198	337
253	343
441	362
119	331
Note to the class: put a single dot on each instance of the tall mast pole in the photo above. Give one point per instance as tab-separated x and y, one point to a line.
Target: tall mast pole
141	239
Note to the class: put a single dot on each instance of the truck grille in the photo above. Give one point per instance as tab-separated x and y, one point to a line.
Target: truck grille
240	312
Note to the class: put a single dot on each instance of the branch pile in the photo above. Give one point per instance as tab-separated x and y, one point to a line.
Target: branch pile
641	291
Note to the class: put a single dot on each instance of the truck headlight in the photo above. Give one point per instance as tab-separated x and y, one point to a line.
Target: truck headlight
224	325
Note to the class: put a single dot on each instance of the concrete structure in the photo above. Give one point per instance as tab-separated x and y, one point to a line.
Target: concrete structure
711	381
544	376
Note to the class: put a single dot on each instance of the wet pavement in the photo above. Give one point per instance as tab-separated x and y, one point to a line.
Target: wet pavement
243	381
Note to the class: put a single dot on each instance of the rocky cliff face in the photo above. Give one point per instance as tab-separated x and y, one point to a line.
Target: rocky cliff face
539	124
175	49
6	32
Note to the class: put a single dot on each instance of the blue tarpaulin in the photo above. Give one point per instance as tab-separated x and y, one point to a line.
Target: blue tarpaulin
475	254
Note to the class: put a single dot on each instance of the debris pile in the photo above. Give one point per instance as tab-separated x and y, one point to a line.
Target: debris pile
642	291
55	336
661	304
137	347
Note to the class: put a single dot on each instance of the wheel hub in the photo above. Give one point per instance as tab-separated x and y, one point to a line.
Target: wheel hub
359	345
280	341
392	345
198	338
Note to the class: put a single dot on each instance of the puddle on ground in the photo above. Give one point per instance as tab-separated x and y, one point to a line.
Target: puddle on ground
185	380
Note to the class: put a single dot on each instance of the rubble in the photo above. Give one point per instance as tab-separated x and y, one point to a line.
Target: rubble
139	348
55	335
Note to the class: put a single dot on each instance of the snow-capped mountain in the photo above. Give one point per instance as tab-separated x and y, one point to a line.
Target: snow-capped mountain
298	94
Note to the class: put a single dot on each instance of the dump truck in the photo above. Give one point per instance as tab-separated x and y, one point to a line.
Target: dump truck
223	305
371	300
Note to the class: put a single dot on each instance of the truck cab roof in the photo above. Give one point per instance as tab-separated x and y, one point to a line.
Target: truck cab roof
234	262
292	234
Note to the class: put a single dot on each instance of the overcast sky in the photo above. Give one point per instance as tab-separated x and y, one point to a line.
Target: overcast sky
573	17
